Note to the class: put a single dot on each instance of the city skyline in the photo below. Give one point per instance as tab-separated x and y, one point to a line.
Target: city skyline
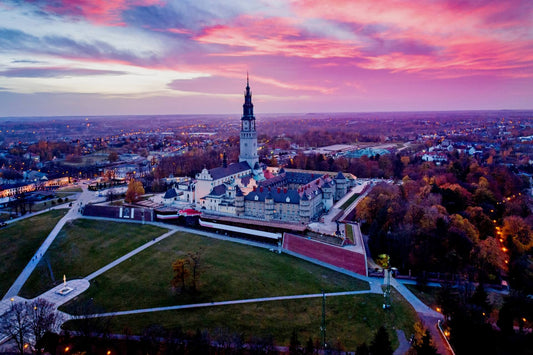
169	57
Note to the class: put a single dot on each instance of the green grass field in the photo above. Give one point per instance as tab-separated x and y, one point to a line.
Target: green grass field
82	247
231	272
20	241
350	320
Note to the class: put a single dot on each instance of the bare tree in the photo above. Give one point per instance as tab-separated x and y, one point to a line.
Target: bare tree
42	318
197	266
15	324
27	322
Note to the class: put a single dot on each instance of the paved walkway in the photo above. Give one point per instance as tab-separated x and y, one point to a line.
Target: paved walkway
73	213
420	307
404	346
225	303
77	287
129	255
440	343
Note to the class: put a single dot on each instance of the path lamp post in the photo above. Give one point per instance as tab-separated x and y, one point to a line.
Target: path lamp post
384	261
323	325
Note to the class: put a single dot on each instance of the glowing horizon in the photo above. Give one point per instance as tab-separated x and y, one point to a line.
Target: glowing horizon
95	57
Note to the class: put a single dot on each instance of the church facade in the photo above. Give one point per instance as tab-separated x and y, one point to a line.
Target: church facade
240	189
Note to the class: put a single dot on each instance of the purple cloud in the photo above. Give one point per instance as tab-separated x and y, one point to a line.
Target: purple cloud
54	72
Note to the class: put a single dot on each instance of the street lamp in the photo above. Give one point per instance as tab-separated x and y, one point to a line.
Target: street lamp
384	261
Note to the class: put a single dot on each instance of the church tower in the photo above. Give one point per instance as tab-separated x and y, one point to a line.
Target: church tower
248	132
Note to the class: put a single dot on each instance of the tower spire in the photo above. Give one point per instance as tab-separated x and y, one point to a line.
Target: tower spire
248	134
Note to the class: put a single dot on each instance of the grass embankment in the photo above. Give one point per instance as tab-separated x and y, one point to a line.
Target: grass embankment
349	201
350	320
231	272
82	247
20	241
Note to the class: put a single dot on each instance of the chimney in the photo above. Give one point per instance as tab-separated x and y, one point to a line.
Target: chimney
261	189
279	190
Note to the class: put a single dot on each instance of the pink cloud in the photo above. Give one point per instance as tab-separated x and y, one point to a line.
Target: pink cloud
273	36
466	35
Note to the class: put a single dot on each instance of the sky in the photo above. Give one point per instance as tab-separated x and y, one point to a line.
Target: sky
101	57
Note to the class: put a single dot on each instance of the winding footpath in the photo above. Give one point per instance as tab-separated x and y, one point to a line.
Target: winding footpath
427	315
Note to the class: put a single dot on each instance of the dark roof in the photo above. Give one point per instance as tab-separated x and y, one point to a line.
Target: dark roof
238	191
218	190
279	196
300	178
272	181
234	168
245	180
171	193
340	176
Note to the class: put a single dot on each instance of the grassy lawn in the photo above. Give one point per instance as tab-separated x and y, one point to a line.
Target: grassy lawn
20	240
349	232
350	320
48	203
232	272
63	194
84	246
348	202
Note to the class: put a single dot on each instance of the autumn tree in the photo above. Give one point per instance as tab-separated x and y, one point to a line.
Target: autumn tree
135	191
425	346
112	157
489	260
518	233
187	271
181	273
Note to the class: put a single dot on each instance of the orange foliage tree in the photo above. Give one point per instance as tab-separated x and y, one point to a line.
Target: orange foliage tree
135	191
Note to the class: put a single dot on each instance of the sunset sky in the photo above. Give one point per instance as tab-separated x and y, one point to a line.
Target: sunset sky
97	57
